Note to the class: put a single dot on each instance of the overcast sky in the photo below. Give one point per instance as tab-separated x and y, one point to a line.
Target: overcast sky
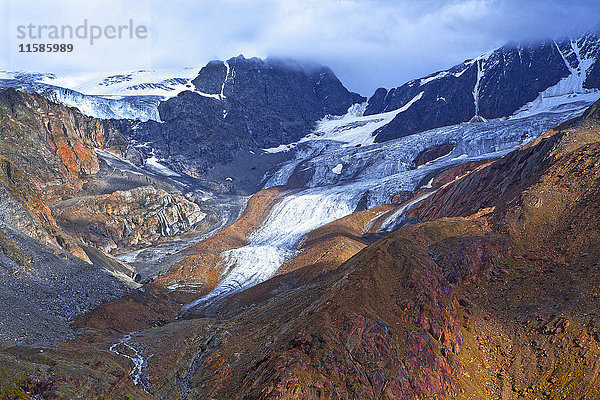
368	43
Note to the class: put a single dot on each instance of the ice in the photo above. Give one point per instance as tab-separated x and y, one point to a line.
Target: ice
275	241
122	95
154	164
480	73
378	171
352	129
394	221
568	93
159	82
141	108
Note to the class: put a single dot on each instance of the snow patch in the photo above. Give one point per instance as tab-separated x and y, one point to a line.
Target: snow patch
337	169
429	184
393	221
154	164
350	129
439	75
568	93
159	82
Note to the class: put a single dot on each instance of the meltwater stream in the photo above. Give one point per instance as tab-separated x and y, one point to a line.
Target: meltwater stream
124	349
340	176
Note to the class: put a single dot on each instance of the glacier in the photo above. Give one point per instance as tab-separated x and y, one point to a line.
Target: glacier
130	95
376	171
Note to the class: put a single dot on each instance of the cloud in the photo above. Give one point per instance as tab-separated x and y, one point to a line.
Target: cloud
368	43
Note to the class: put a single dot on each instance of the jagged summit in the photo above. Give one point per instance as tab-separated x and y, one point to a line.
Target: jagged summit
218	78
517	77
240	106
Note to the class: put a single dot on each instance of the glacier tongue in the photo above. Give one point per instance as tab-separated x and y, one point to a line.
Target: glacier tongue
130	95
141	108
272	243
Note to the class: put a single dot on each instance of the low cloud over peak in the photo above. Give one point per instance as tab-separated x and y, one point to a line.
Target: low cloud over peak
368	43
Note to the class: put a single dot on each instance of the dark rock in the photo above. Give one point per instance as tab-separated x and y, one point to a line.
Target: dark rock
433	153
134	156
264	103
301	175
491	86
210	79
363	202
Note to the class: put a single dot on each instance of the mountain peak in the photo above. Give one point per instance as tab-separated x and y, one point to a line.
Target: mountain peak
524	76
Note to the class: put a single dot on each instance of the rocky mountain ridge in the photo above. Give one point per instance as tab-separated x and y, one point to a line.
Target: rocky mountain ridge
494	85
274	103
239	107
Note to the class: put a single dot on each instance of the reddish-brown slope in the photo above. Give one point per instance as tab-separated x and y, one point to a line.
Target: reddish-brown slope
52	143
498	301
200	270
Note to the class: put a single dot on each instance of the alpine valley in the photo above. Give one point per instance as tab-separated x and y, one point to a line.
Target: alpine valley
252	229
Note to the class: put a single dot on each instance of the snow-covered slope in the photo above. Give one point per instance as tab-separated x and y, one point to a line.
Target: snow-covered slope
580	56
164	83
131	95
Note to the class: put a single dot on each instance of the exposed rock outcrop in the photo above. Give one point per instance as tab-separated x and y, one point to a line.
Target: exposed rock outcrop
53	144
129	219
433	153
45	153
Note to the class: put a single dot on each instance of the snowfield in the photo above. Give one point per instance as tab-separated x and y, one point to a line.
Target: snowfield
129	95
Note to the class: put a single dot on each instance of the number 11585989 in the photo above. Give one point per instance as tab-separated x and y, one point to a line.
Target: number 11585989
45	48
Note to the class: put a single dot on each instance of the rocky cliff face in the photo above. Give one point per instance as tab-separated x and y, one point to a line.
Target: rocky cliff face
23	207
239	107
46	150
493	85
53	144
47	278
50	169
55	204
129	219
